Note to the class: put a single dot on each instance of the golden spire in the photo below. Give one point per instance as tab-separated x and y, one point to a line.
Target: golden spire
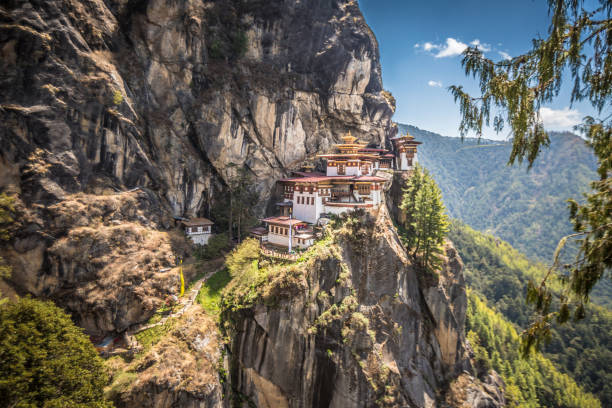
348	138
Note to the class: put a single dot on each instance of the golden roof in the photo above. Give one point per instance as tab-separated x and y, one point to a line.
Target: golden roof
348	138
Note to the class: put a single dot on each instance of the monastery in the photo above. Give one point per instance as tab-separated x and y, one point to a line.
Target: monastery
350	182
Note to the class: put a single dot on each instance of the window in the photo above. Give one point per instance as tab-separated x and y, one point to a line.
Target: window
341	169
364	189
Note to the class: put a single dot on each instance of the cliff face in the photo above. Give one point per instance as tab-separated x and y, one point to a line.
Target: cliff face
357	326
103	96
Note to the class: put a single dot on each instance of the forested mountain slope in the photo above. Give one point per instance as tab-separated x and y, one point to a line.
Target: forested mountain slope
533	382
526	208
496	271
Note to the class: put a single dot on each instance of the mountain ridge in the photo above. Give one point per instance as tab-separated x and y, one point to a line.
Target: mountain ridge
526	207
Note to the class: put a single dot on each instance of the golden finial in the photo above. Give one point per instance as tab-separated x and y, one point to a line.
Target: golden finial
348	138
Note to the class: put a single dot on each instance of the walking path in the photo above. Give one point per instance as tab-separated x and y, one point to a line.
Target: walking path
186	301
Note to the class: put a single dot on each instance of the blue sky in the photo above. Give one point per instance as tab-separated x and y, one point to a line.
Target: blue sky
420	42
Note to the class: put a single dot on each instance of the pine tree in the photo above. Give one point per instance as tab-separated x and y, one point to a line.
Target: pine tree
426	223
579	43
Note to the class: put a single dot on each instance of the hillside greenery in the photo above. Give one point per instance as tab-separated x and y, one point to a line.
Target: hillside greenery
577	49
531	383
425	221
45	360
528	209
499	273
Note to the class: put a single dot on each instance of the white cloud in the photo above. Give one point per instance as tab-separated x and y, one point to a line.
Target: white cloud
560	119
435	84
451	48
429	46
505	55
480	46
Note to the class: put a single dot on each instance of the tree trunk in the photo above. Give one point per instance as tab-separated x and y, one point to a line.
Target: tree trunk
239	229
231	218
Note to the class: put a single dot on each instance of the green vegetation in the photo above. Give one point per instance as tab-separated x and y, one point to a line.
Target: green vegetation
526	208
117	98
45	360
532	382
217	245
215	51
6	219
425	223
238	216
210	294
256	279
499	273
240	43
578	48
150	337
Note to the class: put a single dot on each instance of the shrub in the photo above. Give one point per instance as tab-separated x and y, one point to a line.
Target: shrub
215	51
217	244
45	360
240	43
240	260
117	98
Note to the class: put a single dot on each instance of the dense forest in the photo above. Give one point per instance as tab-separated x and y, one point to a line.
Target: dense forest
526	208
533	382
499	273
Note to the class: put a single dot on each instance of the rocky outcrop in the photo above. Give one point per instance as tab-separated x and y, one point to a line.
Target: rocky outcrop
104	96
354	326
182	370
469	392
105	258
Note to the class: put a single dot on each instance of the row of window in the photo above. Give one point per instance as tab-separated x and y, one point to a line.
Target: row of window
279	230
194	230
306	200
348	164
364	189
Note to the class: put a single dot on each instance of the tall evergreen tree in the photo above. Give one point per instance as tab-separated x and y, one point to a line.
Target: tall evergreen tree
579	43
426	223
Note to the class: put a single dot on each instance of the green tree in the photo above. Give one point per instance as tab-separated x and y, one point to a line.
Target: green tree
6	219
241	196
45	360
578	44
426	223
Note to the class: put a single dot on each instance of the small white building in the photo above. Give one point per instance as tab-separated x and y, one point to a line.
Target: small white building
199	230
282	230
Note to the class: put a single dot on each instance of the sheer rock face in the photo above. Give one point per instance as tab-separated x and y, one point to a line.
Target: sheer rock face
400	343
103	96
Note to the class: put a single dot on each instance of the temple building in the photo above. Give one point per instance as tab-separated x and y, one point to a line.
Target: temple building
406	152
199	230
289	232
350	181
